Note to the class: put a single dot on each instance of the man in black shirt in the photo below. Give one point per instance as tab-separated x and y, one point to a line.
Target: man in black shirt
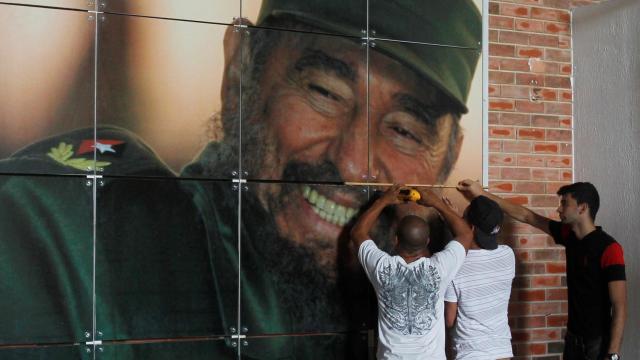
596	280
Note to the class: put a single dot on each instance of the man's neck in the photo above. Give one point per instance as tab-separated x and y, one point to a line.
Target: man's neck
410	257
583	228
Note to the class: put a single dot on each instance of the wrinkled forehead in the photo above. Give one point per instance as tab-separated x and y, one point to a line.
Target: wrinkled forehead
333	51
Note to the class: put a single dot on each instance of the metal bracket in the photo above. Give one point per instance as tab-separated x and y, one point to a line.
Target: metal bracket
94	176
238	337
241	181
95	342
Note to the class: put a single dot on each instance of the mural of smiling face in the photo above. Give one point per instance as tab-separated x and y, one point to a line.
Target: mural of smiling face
314	118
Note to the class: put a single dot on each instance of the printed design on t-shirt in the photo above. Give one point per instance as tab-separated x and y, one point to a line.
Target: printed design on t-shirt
409	296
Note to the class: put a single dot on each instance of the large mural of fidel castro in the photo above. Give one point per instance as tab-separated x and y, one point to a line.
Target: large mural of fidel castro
171	253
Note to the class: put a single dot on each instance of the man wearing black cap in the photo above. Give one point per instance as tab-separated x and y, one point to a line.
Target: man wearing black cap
596	280
476	301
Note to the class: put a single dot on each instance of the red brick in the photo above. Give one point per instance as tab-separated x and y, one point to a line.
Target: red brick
564	42
518	200
558	135
557	55
501	105
501	77
530	322
494	118
532	241
559	162
550	14
558	320
566	95
529	25
514	119
493	90
545	174
516	173
545	308
494	8
557	28
529	106
512	37
502	50
566	122
524	268
543	40
556	294
501	160
547	121
516	146
494	172
546	255
495	145
514	10
530	187
545	334
549	95
494	64
567	175
514	64
531	134
558	4
565	69
530	52
557	81
530	349
531	160
519	308
501	132
493	35
530	79
516	92
500	22
552	187
545	148
544	200
500	187
556	108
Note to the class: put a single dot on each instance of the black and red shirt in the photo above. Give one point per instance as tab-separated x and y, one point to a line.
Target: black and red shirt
592	263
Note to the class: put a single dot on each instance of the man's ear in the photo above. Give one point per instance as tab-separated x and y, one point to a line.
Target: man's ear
232	43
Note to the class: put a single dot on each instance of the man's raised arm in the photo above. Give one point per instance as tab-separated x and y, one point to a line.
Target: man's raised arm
362	227
461	230
472	189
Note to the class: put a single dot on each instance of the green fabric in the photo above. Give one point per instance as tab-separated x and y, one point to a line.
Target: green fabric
448	25
166	263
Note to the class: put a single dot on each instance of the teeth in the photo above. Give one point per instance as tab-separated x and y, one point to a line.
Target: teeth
327	209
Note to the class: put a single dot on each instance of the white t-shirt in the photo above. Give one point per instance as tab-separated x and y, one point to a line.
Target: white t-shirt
482	288
410	300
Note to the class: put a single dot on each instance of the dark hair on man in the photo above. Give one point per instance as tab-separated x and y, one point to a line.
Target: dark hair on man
413	233
584	193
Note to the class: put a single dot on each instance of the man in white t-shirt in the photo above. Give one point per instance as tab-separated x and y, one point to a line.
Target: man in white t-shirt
410	286
476	300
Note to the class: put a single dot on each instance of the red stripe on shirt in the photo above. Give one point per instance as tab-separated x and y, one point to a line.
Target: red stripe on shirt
612	255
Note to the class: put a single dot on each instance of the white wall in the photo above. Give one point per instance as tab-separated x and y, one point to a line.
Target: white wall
606	54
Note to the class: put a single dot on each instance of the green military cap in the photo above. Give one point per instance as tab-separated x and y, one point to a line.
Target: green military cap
454	27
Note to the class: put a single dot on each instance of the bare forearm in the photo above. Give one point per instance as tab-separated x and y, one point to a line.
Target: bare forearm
617	328
362	227
459	227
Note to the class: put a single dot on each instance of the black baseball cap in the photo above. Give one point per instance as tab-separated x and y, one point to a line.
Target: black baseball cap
486	215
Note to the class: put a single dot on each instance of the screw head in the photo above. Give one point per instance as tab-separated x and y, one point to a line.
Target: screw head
87	334
234	344
232	329
245	343
234	173
245	329
88	350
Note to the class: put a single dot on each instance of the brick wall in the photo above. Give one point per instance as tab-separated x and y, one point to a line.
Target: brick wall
530	156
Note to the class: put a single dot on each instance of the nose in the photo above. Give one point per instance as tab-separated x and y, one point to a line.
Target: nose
349	149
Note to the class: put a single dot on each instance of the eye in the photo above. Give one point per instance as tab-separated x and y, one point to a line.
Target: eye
406	134
322	91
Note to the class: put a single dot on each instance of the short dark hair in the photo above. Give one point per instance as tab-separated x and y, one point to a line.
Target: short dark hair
584	193
413	233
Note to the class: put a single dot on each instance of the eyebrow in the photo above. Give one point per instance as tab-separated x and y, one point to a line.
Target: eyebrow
316	59
425	113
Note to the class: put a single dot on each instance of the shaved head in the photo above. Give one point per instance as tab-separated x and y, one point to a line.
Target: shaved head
413	233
